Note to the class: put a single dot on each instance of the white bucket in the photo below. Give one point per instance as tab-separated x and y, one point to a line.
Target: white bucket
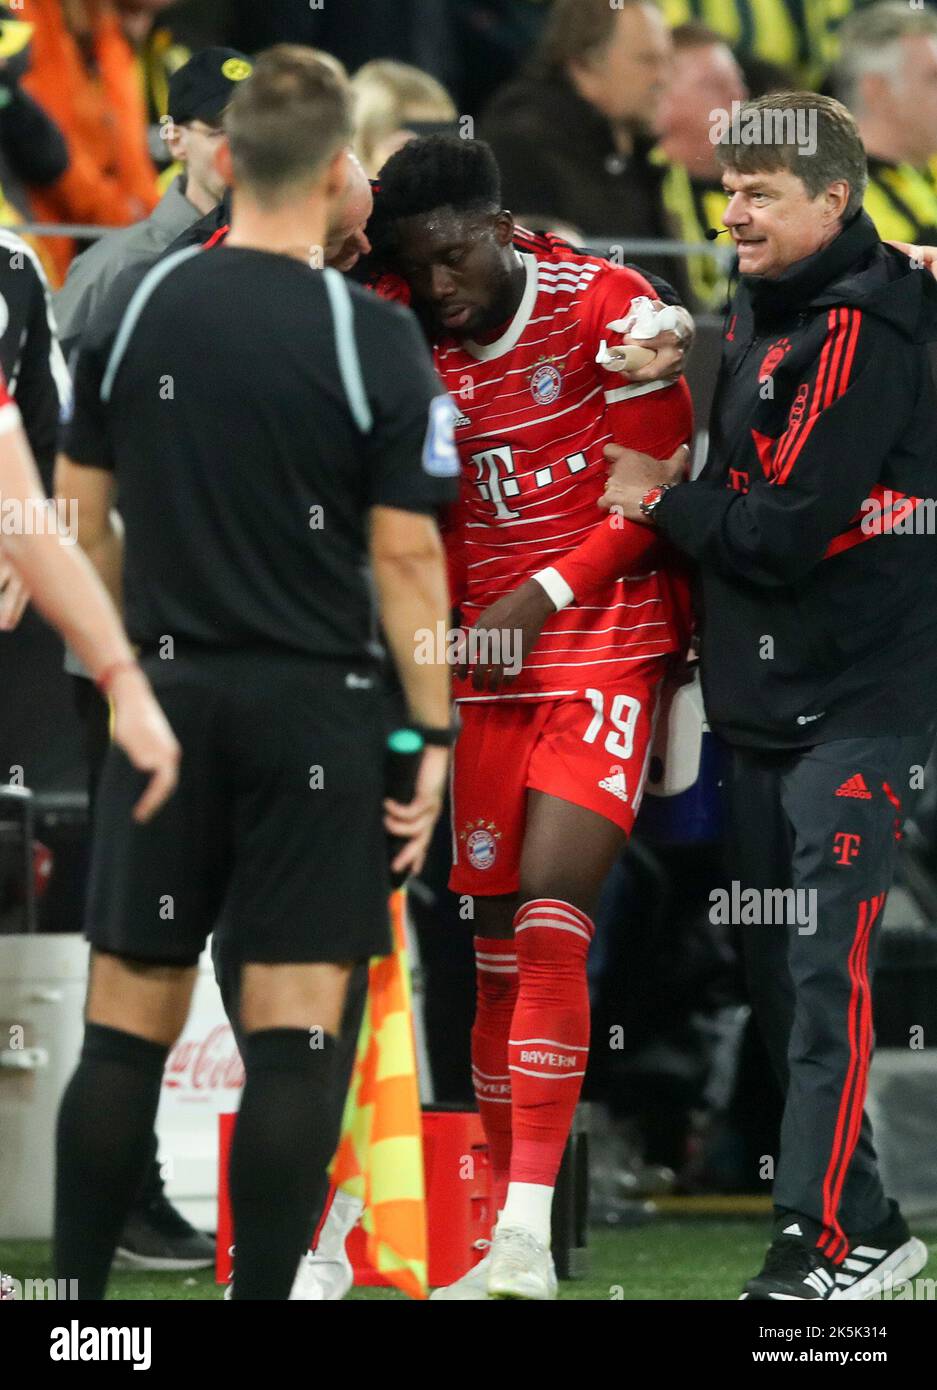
42	993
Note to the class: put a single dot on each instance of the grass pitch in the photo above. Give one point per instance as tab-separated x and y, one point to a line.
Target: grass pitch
666	1258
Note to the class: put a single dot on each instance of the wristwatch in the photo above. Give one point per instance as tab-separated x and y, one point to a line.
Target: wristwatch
651	500
440	738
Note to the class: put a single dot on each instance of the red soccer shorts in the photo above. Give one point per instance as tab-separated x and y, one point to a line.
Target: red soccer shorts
590	749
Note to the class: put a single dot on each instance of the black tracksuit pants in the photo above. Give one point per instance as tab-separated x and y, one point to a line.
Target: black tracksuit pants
823	820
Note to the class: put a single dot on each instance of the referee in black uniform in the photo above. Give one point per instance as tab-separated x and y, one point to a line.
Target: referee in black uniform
270	430
813	527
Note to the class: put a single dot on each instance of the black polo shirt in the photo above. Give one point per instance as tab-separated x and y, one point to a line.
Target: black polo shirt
254	411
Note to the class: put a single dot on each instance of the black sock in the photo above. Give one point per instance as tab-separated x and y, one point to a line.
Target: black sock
346	1047
228	968
153	1183
286	1132
103	1142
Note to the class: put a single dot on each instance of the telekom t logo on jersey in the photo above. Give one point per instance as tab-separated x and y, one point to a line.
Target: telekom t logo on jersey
846	846
495	477
492	485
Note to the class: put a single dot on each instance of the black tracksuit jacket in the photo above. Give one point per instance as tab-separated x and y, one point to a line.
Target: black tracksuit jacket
817	622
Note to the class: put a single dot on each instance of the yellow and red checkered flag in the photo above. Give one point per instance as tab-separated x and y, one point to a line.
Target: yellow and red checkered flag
379	1158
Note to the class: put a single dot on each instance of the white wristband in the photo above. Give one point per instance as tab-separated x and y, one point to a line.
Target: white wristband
555	587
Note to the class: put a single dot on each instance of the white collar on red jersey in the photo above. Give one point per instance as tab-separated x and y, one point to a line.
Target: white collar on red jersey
484	352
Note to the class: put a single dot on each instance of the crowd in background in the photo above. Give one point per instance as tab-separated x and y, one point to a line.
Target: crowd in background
600	114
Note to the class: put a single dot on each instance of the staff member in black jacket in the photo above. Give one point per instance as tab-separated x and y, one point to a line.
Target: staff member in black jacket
812	524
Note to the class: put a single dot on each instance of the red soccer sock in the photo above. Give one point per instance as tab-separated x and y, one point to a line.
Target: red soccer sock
497	979
549	1043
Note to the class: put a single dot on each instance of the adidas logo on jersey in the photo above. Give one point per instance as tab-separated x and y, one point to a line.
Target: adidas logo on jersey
615	784
460	422
855	786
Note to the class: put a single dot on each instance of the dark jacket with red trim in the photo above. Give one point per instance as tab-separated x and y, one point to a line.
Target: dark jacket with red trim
813	520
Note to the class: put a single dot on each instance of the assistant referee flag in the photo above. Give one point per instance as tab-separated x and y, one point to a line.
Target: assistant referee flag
379	1158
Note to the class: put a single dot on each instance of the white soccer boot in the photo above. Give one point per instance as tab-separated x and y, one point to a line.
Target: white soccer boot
521	1265
321	1280
472	1287
325	1274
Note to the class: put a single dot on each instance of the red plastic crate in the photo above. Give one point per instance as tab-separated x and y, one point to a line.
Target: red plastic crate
458	1199
224	1237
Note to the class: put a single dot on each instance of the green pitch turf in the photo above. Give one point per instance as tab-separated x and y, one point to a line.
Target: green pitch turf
667	1258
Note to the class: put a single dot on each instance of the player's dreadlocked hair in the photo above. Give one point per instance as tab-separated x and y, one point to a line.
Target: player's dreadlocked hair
438	171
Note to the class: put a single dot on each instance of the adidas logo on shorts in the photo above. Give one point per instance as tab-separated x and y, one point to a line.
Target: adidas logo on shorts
615	784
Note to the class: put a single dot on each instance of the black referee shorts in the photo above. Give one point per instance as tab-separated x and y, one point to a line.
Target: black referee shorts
275	826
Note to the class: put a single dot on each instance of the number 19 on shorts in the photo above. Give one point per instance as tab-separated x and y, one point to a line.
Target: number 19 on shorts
623	717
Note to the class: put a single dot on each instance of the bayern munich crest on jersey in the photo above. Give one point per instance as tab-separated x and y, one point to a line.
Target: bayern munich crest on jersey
545	384
481	843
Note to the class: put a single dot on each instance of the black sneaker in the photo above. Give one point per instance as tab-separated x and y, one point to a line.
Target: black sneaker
793	1269
881	1258
156	1236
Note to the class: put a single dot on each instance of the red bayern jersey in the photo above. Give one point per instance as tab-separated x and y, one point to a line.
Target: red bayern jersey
535	413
